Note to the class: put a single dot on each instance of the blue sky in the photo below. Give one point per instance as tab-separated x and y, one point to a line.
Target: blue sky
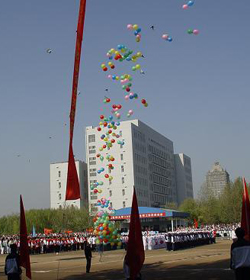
197	87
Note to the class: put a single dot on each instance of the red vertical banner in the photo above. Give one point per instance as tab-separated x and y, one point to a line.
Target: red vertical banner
135	251
24	248
245	216
73	187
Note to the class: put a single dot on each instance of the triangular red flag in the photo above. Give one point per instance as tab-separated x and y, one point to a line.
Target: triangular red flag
135	251
245	216
24	248
73	187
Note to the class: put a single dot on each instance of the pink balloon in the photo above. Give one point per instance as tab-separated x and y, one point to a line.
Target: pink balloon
118	115
196	32
109	76
185	6
165	36
130	26
130	112
131	94
126	97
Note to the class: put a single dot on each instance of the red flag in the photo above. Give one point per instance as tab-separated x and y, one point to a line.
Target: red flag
195	223
135	251
73	187
24	248
245	215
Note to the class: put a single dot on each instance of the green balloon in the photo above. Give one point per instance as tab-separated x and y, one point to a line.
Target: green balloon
190	31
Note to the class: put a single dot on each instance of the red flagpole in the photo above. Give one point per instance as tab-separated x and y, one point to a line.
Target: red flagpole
24	248
73	187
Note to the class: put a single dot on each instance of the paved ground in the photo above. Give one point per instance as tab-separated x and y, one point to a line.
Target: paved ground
209	262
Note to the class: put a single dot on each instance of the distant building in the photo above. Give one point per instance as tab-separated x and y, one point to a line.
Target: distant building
58	181
216	179
184	182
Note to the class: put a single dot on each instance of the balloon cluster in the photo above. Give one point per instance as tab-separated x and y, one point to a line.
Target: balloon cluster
107	128
167	37
137	31
105	230
193	31
189	4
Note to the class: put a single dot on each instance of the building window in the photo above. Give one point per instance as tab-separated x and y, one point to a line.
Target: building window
91	138
124	204
110	193
92	151
59	185
123	192
121	156
59	196
59	173
123	180
122	168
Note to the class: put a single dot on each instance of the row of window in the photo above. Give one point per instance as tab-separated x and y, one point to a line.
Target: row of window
142	203
159	170
140	159
158	152
159	161
159	180
158	198
141	169
111	193
141	193
160	189
140	147
91	138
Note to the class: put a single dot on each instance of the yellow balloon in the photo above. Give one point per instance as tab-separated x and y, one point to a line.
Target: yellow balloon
117	78
100	191
101	149
110	63
100	123
103	65
112	50
135	26
139	54
137	66
116	52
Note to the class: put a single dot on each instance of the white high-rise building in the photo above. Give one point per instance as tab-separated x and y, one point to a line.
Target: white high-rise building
58	181
183	173
145	161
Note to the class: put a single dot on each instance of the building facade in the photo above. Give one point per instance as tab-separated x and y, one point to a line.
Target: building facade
216	179
184	182
58	181
146	162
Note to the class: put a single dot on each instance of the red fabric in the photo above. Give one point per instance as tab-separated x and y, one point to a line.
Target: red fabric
135	251
245	216
24	248
73	187
195	223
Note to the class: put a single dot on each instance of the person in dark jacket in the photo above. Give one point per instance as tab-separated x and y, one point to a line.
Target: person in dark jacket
88	255
12	264
240	256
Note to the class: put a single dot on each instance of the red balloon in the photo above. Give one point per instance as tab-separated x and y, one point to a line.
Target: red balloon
105	69
104	146
112	159
107	100
110	165
114	106
110	131
105	124
106	175
128	89
101	117
99	129
112	66
119	106
112	140
143	101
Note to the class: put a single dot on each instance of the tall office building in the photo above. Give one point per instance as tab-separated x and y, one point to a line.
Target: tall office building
145	161
216	179
58	181
183	173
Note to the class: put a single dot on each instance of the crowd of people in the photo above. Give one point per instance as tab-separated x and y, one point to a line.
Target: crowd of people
182	237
